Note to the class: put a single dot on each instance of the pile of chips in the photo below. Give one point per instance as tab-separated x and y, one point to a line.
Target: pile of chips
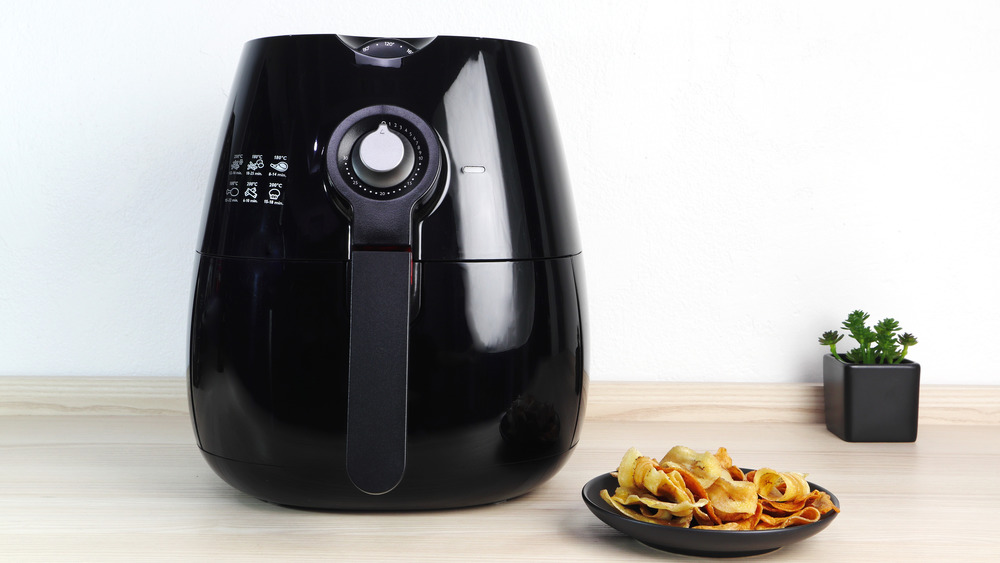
692	490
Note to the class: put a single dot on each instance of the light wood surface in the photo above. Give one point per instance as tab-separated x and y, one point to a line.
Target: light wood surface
661	401
100	476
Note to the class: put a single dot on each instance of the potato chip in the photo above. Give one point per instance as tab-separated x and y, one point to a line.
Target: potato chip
736	473
637	515
626	469
807	515
727	463
684	508
634	514
691	482
732	500
783	508
780	487
748	523
637	472
669	485
705	467
706	516
723	456
822	502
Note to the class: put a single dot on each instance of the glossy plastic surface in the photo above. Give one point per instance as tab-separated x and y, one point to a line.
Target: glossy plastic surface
497	379
489	356
485	98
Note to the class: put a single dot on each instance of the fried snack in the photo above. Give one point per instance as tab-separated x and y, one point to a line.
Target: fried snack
652	491
807	515
727	463
732	500
780	487
705	467
666	520
704	490
749	523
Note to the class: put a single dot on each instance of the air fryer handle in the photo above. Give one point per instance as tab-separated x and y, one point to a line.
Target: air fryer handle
377	384
381	215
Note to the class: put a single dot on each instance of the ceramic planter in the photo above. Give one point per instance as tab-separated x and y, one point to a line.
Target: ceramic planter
871	403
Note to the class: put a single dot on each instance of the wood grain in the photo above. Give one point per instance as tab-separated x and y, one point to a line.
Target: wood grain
770	402
134	488
110	395
656	401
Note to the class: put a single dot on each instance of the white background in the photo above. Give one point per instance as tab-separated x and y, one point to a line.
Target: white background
745	173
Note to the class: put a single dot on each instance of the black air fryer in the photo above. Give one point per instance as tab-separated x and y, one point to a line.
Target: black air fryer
389	309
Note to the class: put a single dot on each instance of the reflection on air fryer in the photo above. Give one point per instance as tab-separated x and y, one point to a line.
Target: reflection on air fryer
482	212
500	305
531	424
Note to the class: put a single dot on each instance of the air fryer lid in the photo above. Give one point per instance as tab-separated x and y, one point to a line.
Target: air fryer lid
503	191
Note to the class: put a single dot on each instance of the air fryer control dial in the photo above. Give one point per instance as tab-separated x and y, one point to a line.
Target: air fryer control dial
382	158
383	153
387	49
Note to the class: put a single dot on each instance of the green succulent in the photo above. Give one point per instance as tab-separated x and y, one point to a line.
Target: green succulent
906	340
831	338
878	345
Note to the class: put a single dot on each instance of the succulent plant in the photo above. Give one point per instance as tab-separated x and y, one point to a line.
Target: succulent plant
877	345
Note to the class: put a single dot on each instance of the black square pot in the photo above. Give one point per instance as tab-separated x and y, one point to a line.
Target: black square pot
871	403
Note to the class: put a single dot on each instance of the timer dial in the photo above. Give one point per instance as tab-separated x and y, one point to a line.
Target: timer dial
381	192
381	156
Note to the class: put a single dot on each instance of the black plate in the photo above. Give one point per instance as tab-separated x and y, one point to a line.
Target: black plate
710	543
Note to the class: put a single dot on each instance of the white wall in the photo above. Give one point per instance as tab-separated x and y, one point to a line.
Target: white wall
745	173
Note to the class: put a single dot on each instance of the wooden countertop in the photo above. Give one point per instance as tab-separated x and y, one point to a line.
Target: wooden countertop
105	469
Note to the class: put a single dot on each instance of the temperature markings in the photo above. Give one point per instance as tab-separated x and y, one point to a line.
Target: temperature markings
254	165
250	194
274	193
233	192
236	165
279	165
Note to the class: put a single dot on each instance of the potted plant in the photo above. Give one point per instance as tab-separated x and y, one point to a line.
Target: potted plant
871	394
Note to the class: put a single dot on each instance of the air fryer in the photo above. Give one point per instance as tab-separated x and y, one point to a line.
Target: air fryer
388	308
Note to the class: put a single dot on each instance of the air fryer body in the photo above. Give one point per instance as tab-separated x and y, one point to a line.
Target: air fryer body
490	278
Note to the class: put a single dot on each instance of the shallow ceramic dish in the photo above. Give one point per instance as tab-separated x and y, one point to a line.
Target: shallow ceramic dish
709	543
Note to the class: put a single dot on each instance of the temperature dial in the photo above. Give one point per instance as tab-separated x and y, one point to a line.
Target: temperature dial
387	49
